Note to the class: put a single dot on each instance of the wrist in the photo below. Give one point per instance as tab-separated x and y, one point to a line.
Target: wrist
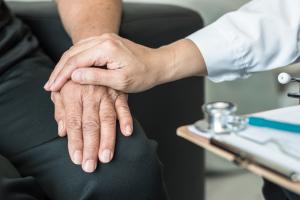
181	59
162	62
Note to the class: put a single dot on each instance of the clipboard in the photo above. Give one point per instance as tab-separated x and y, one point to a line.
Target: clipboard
224	152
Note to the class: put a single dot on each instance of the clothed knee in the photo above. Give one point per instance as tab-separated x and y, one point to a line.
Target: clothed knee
14	187
134	173
7	170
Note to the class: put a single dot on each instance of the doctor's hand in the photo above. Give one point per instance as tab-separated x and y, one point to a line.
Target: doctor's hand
112	61
87	115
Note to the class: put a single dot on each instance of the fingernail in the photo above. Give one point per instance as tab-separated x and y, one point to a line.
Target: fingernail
76	76
89	166
60	127
105	156
46	86
128	130
77	157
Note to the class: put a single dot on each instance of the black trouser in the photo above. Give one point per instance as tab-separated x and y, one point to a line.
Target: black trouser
274	192
37	164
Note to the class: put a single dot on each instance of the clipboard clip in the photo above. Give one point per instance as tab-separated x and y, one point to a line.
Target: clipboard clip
221	118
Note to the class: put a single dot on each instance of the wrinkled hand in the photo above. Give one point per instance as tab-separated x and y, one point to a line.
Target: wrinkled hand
87	115
129	67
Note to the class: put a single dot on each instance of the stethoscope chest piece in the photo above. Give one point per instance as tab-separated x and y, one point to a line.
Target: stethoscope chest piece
220	118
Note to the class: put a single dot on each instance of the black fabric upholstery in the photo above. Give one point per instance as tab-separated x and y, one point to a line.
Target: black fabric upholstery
159	110
7	169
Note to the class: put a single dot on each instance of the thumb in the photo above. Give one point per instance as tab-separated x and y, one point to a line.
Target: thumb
96	76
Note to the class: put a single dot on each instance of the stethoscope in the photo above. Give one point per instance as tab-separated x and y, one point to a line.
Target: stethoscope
221	118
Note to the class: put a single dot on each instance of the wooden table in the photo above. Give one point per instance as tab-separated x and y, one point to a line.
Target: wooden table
246	164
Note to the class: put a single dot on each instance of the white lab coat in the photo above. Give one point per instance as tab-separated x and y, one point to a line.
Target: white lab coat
261	35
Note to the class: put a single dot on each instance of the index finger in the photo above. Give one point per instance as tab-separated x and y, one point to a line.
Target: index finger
99	55
79	47
124	115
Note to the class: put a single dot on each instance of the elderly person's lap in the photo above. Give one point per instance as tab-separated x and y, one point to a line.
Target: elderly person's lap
37	163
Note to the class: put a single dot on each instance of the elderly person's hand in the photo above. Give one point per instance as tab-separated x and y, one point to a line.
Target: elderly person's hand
112	61
87	115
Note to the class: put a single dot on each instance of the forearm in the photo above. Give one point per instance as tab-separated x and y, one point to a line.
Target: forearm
87	18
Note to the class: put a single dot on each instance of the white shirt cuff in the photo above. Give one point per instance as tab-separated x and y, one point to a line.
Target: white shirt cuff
223	52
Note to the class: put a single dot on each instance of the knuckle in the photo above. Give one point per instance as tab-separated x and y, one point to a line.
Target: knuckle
67	93
90	126
123	108
113	94
91	148
91	99
111	45
74	123
75	142
89	90
68	86
72	61
109	118
109	36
